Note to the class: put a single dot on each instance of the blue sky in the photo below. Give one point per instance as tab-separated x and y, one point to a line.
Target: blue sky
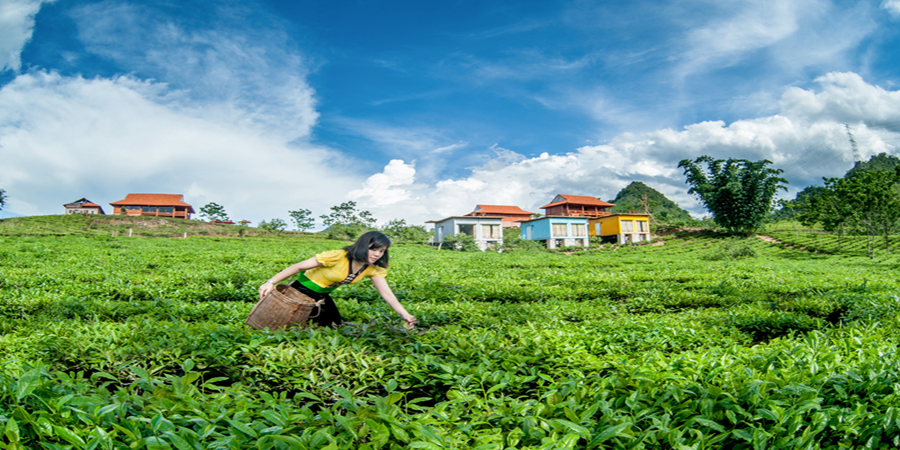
421	110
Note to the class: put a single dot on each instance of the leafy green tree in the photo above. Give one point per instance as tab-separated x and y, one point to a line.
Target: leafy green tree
400	232
739	193
2	199
346	214
273	226
302	219
460	242
880	162
213	211
345	222
825	207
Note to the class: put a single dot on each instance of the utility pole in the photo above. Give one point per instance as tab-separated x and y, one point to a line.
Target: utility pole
856	157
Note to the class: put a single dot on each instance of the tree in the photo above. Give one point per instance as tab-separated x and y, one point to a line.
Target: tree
273	226
213	211
2	199
302	219
400	232
345	221
824	206
739	193
866	200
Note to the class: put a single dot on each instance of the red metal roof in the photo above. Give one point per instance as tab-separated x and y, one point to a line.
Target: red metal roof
153	200
578	200
498	209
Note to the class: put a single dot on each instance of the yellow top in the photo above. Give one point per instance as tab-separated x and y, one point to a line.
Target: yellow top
335	268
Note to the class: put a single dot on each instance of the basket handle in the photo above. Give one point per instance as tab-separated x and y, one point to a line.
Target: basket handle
319	307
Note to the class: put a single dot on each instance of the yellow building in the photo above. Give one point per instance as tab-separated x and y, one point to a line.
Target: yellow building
621	228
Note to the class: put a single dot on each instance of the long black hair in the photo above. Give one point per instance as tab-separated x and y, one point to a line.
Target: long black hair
359	251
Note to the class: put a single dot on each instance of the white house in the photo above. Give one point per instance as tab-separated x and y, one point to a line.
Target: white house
487	231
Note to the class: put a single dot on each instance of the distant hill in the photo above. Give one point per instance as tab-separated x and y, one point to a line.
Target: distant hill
108	225
663	209
881	161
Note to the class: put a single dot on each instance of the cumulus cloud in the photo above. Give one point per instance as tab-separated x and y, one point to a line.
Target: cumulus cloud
892	6
388	187
16	26
103	138
240	67
807	139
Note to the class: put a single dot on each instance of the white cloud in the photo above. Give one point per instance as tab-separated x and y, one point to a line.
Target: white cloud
241	68
388	187
892	6
63	137
795	34
16	27
806	138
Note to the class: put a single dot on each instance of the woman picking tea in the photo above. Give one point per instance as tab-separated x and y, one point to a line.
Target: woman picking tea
325	272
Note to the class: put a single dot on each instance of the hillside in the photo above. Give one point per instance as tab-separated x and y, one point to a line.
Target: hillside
106	225
881	161
663	209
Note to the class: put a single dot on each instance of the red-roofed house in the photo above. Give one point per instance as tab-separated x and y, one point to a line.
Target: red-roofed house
577	206
509	214
159	205
83	206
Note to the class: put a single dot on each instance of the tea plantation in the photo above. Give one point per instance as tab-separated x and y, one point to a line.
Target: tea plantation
702	343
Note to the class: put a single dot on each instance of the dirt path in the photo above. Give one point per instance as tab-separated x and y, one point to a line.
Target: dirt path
772	240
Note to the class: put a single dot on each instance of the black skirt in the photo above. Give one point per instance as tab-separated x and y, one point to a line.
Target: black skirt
327	314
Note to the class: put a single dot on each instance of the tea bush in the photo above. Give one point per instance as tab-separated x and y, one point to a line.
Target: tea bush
114	342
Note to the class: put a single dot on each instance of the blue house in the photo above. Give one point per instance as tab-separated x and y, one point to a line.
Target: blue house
556	231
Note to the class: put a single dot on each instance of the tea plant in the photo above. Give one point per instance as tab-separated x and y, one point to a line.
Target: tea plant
114	342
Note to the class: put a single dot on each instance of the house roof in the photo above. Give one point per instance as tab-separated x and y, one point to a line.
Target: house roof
553	217
578	200
464	217
498	210
153	200
84	203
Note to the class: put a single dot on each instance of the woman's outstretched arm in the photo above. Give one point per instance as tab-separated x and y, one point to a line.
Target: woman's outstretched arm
384	290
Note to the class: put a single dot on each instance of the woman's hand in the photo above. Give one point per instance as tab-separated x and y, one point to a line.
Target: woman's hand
410	322
265	289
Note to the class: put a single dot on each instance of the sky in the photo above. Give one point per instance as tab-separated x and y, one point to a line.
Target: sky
423	110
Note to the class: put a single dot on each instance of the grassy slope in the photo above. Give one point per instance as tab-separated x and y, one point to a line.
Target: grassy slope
637	347
107	225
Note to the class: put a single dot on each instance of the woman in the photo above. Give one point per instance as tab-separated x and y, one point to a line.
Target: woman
318	276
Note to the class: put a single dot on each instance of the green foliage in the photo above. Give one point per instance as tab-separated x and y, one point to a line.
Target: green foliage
139	343
302	219
2	199
639	197
731	249
400	232
867	201
512	241
345	222
881	162
273	226
461	243
738	192
346	215
213	211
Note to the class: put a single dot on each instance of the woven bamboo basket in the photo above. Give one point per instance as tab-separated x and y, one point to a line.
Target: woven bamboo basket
282	307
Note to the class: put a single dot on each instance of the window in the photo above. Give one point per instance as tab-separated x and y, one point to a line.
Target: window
597	228
167	209
490	231
642	226
132	208
579	230
467	229
627	226
148	209
560	230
